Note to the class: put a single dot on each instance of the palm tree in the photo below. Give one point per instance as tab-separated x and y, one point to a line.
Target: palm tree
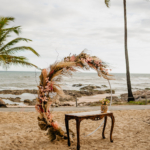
7	51
130	95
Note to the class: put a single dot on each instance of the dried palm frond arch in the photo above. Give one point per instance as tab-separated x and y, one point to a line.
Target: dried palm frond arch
49	87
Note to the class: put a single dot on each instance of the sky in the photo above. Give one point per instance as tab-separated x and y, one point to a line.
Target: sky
60	27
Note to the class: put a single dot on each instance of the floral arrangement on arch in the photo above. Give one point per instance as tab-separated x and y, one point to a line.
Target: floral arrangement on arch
49	87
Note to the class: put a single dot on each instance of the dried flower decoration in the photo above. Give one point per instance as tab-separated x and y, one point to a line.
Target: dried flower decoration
49	86
104	101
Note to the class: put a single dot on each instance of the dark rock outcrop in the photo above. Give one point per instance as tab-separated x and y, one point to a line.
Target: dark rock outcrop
77	85
67	98
103	85
17	99
101	92
27	101
2	104
89	87
109	91
18	92
114	99
33	102
138	95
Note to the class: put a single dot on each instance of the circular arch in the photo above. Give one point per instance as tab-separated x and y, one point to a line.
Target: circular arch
49	87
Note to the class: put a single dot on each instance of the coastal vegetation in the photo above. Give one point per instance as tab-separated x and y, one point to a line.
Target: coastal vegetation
7	51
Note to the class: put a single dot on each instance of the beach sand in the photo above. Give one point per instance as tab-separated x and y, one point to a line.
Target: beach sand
94	98
20	131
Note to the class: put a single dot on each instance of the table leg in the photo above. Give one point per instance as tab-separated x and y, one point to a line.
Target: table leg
112	127
105	121
78	133
67	129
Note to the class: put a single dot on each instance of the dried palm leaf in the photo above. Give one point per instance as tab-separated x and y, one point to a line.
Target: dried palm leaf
109	75
73	69
44	106
80	64
55	84
44	76
92	66
58	91
52	67
48	104
41	79
65	64
106	77
99	72
67	72
57	74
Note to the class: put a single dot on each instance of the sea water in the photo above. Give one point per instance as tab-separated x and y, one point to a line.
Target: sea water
17	80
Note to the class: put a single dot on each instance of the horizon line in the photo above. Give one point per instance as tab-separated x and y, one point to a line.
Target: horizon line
76	72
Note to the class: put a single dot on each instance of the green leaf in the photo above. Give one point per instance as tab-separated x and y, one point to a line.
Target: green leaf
107	2
19	49
17	60
11	43
5	21
16	29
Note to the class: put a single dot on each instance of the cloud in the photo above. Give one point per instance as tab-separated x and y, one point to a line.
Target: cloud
71	26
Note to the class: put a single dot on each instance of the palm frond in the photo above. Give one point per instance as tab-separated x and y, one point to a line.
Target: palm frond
11	43
5	20
106	77
57	85
107	2
2	59
44	76
52	67
19	49
56	74
58	91
7	57
23	63
3	36
5	33
65	64
17	60
16	29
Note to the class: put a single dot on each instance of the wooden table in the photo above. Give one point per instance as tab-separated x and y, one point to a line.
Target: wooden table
93	115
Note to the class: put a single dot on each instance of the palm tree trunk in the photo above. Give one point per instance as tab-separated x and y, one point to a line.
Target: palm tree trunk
130	95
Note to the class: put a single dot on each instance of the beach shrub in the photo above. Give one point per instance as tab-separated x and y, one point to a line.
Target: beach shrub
137	102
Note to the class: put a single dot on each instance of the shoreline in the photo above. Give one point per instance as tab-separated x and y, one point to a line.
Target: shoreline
28	97
84	97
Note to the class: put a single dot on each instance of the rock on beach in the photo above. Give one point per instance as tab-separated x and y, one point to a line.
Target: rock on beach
2	103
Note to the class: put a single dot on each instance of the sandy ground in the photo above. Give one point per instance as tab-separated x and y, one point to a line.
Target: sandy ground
20	131
93	98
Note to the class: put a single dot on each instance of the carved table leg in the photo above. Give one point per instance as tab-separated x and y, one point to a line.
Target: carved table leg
78	133
105	121
67	129
112	127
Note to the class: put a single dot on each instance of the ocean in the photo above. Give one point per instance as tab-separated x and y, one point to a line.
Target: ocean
15	80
